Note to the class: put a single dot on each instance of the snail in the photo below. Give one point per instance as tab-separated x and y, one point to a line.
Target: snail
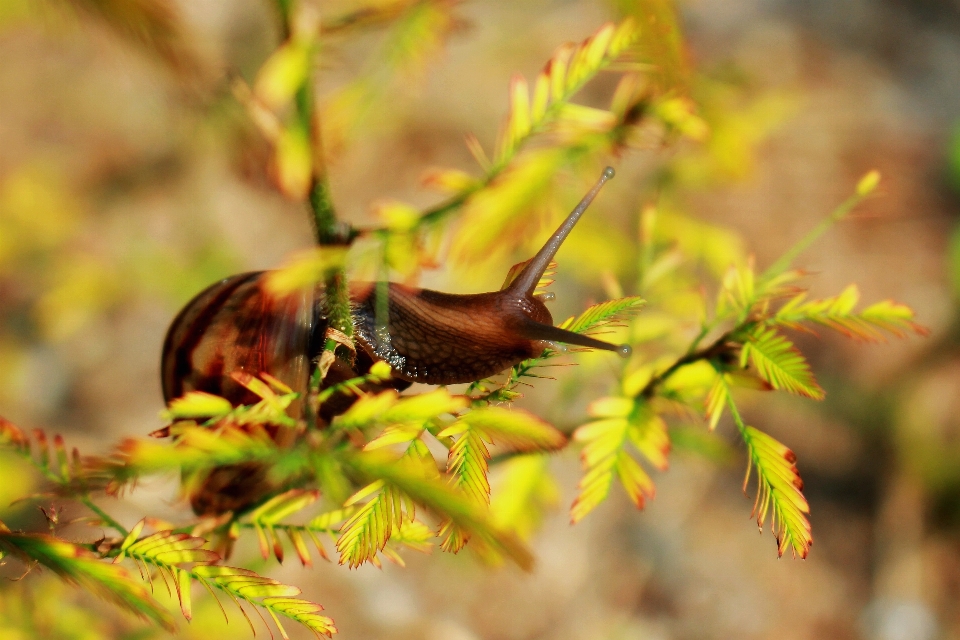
429	336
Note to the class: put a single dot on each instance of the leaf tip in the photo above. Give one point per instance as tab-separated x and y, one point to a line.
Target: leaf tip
868	183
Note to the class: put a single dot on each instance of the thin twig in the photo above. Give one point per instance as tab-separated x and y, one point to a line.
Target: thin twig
106	517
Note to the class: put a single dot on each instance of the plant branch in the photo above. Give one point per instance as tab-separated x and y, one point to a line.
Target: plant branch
103	515
864	188
719	347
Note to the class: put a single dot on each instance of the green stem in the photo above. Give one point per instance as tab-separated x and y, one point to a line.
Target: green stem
327	228
719	347
106	517
287	527
735	413
784	262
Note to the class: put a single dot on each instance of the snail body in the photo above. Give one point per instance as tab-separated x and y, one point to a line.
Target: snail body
429	336
238	325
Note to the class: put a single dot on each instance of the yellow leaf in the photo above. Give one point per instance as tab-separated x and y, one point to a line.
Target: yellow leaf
282	75
196	404
367	410
304	270
293	161
868	183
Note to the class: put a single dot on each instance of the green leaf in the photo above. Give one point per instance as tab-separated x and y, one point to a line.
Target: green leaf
716	401
719	394
603	314
183	591
411	535
779	488
838	313
737	292
167	548
562	77
266	519
525	491
367	410
493	208
893	317
779	492
467	462
444	501
604	456
130	539
78	566
196	448
780	363
12	436
424	406
283	74
281	506
368	530
518	429
271	595
196	404
304	270
379	372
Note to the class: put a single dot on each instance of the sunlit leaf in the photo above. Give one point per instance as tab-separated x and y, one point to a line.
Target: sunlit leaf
525	491
367	531
779	492
838	313
618	421
780	363
78	566
271	595
605	313
445	502
196	404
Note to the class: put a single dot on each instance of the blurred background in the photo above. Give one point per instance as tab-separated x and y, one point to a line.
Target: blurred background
130	178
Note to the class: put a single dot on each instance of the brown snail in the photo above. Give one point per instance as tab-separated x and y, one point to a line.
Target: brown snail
429	336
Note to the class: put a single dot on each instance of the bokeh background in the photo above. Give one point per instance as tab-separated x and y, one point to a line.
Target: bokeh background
130	178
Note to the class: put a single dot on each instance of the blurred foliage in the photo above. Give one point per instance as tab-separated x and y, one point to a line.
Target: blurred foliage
712	328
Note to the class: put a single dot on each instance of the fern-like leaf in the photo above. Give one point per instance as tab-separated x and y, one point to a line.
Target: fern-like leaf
562	77
78	566
779	487
604	456
171	553
779	492
50	459
838	313
780	363
716	400
265	518
604	314
442	500
269	594
367	531
196	448
514	428
467	461
12	436
468	467
327	523
515	182
275	396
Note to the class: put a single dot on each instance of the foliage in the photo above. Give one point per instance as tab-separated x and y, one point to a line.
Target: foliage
369	481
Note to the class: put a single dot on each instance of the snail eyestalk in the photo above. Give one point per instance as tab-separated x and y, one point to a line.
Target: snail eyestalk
527	281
